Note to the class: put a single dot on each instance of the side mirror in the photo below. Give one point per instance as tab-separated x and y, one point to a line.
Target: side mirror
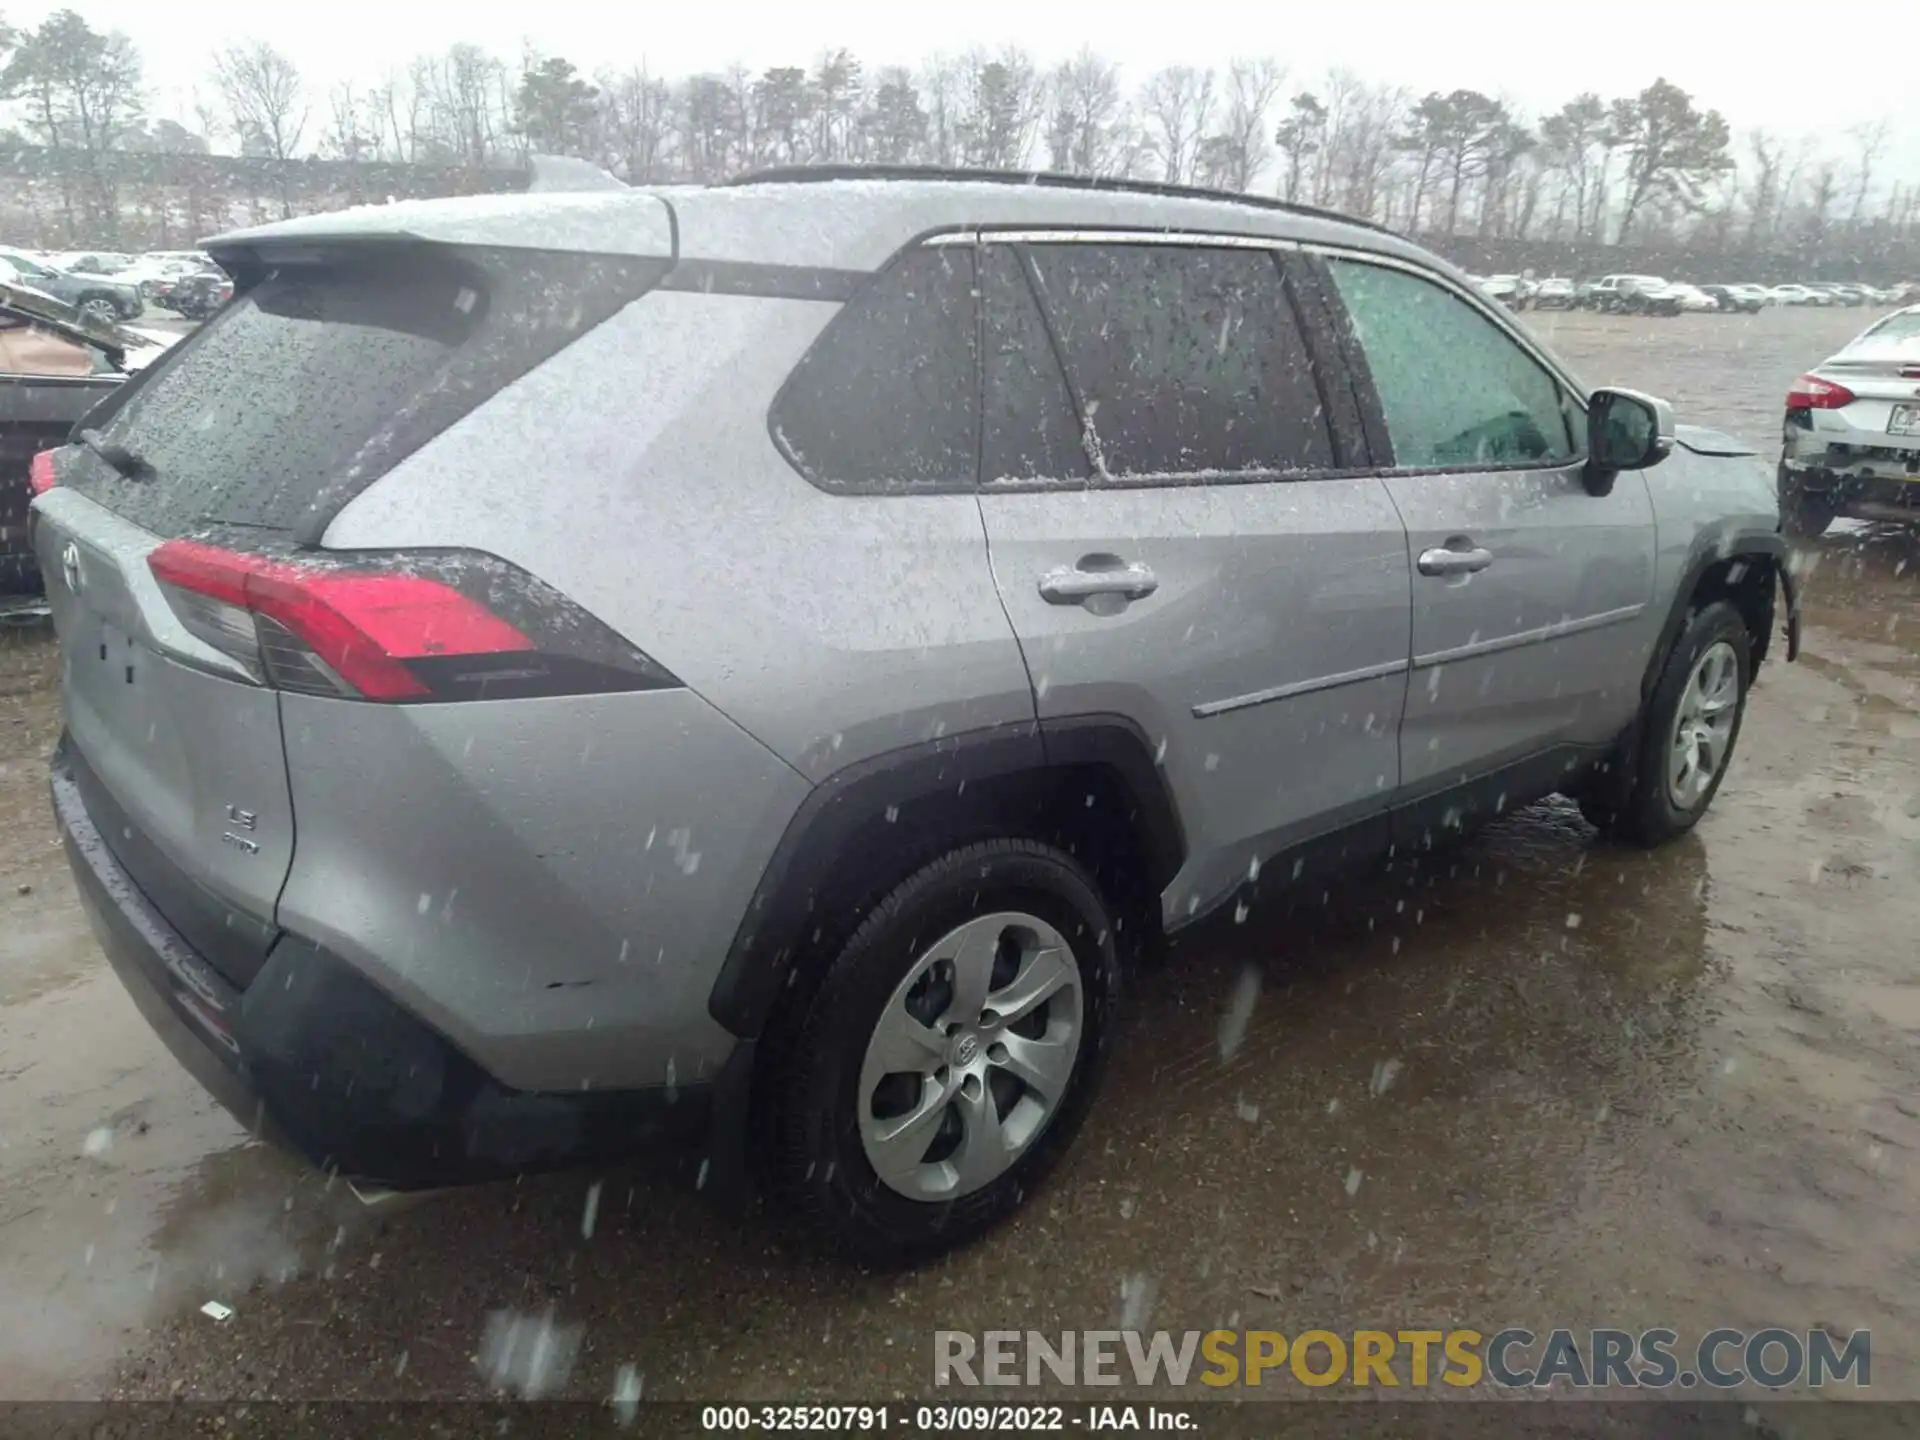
1625	431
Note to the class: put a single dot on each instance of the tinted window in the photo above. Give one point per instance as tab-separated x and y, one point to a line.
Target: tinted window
1456	390
323	376
1183	360
1030	430
886	398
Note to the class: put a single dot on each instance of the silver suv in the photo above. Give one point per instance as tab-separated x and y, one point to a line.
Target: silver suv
548	673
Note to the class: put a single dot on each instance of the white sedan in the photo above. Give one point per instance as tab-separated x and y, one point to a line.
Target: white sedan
1852	433
1692	297
1799	295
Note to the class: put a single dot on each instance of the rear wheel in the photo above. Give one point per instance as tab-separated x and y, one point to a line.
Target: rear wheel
1804	513
1687	731
100	309
949	1054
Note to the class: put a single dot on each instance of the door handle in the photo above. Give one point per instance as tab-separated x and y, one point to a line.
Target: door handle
1441	561
1071	585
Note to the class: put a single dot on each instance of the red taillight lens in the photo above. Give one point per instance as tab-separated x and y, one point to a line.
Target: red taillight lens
1810	392
442	625
360	627
40	473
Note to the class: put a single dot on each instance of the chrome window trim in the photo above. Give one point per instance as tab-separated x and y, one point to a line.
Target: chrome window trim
1075	235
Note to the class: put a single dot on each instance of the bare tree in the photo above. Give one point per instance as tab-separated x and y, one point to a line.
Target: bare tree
349	133
1763	204
1001	104
940	83
1241	146
1869	140
1086	130
265	101
1176	105
1822	192
1372	116
82	96
636	124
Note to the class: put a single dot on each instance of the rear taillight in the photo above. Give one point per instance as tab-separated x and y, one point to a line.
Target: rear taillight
443	626
40	478
1810	392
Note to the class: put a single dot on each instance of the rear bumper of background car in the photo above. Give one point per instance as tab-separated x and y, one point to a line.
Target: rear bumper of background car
313	1056
1860	487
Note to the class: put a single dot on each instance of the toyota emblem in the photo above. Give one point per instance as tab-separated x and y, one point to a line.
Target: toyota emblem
70	566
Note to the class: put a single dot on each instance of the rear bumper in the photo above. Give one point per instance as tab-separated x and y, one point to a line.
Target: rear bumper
314	1057
1872	486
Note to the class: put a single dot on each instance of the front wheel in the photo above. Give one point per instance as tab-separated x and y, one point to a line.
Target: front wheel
949	1054
1687	731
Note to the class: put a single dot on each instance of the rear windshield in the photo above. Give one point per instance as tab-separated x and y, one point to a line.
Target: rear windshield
326	374
1895	329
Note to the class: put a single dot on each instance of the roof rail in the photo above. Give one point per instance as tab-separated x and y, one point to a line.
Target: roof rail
802	174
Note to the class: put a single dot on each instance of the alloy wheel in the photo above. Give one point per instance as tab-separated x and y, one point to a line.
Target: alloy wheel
1703	725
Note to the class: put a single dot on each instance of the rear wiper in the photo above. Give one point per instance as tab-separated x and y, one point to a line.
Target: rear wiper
130	463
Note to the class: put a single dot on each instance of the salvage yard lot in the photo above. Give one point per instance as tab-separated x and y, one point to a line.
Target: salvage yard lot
1578	1085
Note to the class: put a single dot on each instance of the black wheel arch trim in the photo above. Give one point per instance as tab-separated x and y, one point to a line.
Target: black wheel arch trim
804	862
1715	547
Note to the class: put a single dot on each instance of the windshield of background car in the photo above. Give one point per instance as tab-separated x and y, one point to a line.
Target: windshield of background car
1897	328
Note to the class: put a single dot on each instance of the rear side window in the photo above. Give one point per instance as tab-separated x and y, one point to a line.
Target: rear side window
888	397
1183	360
325	374
1455	389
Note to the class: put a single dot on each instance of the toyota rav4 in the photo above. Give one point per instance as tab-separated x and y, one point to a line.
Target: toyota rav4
549	673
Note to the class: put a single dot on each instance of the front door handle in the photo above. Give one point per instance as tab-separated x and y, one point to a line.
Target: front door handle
1071	586
1454	562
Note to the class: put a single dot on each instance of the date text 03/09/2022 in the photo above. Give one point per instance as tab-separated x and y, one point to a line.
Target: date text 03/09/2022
944	1419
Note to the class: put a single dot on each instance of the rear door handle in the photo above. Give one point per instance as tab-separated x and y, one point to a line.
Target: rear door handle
1442	561
1070	586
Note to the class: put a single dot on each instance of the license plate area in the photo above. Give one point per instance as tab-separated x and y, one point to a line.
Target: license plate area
105	667
1905	420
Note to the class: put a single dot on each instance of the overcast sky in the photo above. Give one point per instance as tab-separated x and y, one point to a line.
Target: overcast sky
1747	60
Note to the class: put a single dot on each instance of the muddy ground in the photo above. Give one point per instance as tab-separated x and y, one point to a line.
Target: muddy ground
1545	1081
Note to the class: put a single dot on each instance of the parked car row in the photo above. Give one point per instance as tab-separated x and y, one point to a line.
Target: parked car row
109	286
1654	295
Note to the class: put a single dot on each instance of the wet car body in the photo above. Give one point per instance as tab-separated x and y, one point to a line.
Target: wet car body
616	909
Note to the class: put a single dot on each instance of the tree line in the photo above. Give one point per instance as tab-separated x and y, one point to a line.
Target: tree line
1646	168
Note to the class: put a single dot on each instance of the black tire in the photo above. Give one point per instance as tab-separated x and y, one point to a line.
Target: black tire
1804	514
101	307
819	1160
1647	814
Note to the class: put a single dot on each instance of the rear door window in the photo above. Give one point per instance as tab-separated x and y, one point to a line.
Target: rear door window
1183	361
887	399
327	373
